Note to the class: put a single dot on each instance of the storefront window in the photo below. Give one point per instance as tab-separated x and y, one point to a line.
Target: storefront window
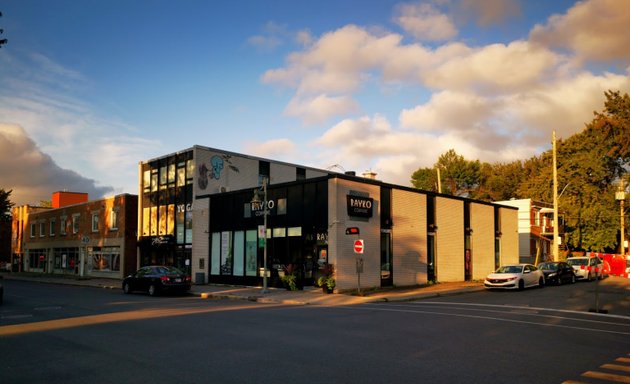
239	252
215	263
251	253
105	259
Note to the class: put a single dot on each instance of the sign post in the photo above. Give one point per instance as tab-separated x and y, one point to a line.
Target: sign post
359	246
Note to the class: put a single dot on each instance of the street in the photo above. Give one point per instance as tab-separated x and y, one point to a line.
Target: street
67	334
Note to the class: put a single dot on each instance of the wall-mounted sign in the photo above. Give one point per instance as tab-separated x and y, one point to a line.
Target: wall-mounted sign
359	206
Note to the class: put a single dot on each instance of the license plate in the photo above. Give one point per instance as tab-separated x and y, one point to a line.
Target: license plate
178	280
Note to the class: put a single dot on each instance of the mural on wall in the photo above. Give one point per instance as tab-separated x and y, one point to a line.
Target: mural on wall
214	169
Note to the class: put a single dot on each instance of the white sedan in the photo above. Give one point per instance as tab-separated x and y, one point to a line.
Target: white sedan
515	276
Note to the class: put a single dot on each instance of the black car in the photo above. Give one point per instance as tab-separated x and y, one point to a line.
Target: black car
156	279
557	272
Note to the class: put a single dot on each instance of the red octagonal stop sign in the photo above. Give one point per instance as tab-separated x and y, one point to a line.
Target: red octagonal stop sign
358	246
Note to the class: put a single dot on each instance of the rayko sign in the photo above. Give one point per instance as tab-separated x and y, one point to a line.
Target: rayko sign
359	206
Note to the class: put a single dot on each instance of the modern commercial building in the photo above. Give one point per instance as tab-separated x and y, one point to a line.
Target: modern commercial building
205	210
76	236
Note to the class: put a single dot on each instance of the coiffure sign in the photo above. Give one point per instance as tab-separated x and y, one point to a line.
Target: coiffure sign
359	206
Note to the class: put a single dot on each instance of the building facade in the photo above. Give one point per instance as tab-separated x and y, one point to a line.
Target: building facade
535	229
76	236
200	209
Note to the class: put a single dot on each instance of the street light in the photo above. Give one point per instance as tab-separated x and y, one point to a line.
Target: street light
256	203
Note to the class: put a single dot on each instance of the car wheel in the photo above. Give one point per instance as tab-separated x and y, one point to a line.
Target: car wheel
153	290
541	282
559	280
572	279
126	288
521	285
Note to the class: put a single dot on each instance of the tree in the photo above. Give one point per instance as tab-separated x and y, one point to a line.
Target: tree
499	181
459	176
5	205
589	164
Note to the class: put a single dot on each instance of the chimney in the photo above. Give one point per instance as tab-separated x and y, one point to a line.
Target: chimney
64	198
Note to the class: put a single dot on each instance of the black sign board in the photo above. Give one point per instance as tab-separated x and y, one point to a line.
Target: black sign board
359	206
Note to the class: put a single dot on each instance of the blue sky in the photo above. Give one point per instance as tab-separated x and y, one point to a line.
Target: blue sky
90	88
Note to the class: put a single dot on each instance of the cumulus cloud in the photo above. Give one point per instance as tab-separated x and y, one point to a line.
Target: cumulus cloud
490	12
425	22
33	175
494	102
593	30
43	99
272	149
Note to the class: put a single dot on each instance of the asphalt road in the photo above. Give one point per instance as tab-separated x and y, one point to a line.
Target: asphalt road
66	334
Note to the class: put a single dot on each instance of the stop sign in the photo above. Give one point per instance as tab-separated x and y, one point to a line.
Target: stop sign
358	246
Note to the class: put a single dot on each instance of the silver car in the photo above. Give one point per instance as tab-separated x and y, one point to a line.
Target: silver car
587	267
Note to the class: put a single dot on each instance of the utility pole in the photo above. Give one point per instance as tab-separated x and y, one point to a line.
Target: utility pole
621	196
554	242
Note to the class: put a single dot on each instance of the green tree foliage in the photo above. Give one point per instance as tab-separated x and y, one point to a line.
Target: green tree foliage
589	166
5	205
459	176
499	181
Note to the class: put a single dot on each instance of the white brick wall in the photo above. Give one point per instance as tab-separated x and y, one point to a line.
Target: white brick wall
482	223
450	239
409	236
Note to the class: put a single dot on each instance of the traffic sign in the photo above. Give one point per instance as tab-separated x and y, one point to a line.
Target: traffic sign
358	246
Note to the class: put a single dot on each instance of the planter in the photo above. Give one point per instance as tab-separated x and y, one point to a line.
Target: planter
327	290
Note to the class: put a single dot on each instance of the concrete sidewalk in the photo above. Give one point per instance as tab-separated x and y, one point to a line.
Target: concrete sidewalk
307	296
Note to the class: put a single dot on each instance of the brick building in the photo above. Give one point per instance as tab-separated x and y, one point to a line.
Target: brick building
76	236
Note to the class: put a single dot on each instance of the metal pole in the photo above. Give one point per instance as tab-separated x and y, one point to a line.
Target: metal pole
554	243
623	227
265	212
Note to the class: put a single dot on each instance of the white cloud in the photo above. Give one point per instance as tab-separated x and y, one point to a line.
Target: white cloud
317	109
272	149
489	12
33	175
424	22
594	30
49	111
496	102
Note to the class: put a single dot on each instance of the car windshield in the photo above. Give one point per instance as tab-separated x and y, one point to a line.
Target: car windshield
577	261
548	266
510	269
168	271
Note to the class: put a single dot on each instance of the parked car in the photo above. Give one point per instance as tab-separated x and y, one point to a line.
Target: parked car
515	276
156	279
557	272
587	267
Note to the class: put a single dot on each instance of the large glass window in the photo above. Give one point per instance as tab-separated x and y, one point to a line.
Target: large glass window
105	259
94	221
251	253
63	224
215	263
239	253
75	223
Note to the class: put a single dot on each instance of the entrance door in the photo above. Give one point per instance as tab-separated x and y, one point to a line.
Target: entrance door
387	275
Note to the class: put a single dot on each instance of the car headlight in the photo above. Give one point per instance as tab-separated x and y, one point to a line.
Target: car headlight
512	278
552	274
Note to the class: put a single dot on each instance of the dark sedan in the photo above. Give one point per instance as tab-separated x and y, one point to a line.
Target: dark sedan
557	272
156	279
